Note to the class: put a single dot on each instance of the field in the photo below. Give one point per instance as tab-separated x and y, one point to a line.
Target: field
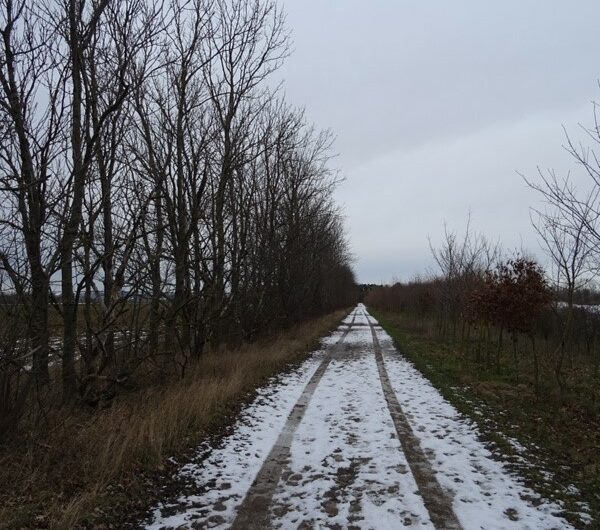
553	444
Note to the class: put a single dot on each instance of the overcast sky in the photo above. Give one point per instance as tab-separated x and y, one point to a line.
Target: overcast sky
436	105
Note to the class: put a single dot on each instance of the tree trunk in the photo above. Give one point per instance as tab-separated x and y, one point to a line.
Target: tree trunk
39	324
536	368
515	339
499	349
73	213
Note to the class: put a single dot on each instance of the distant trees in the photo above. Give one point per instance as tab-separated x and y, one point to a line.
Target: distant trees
477	298
483	295
512	297
156	195
462	262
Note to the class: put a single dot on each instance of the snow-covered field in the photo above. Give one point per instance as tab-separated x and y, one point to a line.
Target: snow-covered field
595	309
318	448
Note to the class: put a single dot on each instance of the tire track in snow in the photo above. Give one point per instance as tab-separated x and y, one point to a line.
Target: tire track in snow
253	513
436	500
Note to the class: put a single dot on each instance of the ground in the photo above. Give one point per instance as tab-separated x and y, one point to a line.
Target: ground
357	438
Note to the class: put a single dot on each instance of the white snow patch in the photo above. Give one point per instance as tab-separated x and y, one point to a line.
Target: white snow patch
486	495
224	477
347	466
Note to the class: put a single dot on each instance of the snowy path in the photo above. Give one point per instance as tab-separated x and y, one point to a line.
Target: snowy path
355	438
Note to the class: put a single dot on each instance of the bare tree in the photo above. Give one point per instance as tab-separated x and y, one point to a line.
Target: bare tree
250	41
32	110
462	262
571	251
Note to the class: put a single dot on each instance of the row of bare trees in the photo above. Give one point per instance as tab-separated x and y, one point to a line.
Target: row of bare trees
157	194
475	286
504	312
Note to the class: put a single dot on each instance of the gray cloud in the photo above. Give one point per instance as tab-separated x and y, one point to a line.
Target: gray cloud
435	106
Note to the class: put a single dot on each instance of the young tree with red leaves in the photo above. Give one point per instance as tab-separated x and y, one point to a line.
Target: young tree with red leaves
513	298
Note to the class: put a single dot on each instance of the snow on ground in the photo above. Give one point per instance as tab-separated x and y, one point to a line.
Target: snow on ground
224	477
590	308
346	467
486	495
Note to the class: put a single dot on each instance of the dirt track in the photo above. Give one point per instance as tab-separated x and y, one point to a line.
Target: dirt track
355	438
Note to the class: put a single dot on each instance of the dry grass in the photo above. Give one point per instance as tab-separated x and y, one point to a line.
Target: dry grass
56	478
562	436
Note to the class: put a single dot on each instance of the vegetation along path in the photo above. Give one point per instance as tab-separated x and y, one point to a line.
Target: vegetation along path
356	437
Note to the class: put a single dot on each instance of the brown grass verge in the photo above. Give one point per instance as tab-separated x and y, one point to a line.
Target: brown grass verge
58	478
